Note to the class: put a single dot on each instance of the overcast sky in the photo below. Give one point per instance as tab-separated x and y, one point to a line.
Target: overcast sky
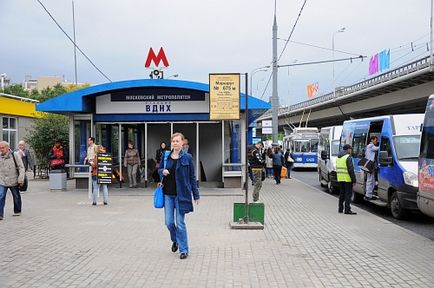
207	36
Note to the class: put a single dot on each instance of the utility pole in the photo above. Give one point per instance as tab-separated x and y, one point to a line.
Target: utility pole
75	47
430	35
274	96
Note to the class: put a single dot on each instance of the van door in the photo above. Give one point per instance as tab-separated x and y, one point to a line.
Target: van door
385	168
359	143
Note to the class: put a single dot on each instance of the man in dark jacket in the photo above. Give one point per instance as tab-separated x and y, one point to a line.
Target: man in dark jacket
257	164
346	178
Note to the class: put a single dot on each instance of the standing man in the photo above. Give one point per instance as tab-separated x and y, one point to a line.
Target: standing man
370	154
346	178
132	163
257	164
11	176
186	147
25	155
92	150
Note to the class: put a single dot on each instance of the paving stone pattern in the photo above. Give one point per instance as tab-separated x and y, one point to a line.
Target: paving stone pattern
62	241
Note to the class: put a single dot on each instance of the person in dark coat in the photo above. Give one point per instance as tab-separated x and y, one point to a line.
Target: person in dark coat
289	161
179	186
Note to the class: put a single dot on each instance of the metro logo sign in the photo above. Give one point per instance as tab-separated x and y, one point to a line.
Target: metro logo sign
160	57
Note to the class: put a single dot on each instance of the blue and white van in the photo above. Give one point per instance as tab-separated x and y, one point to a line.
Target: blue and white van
397	159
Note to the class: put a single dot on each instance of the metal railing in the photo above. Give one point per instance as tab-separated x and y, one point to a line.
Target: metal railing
343	91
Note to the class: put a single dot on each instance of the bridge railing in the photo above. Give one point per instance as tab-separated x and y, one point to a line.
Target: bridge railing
343	91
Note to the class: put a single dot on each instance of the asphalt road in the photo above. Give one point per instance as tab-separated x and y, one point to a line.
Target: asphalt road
417	222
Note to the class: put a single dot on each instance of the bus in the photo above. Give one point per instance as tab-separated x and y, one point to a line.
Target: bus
303	144
425	195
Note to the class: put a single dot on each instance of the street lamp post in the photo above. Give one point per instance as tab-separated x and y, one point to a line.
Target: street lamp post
333	58
259	69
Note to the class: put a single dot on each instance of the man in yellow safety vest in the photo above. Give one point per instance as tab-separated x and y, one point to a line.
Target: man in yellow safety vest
346	178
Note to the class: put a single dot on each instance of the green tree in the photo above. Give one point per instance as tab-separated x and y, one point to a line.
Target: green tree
45	132
16	90
51	92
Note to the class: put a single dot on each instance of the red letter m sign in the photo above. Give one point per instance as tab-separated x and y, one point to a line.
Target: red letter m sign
156	58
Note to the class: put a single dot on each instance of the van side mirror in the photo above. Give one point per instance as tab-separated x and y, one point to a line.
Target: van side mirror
324	155
385	159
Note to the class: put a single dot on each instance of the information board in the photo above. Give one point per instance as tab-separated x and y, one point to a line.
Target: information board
224	96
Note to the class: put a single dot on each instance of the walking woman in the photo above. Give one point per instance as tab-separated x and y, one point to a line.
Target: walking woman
179	186
132	162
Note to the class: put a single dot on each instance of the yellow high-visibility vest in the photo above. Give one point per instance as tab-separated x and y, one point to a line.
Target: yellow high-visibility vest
342	169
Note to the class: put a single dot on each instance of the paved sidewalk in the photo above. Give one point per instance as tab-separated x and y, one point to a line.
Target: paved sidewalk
63	241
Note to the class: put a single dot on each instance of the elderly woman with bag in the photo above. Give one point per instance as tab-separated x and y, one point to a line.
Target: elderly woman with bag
179	186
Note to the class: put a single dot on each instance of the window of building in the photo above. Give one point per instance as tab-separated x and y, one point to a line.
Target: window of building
10	131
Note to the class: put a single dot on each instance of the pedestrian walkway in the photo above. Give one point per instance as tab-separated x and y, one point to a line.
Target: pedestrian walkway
62	241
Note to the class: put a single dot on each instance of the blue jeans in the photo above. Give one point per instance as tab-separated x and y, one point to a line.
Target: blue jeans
178	232
15	194
102	187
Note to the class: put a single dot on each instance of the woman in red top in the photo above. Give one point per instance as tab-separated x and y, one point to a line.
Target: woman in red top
57	156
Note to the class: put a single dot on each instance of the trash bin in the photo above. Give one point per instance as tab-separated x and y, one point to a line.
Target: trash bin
57	180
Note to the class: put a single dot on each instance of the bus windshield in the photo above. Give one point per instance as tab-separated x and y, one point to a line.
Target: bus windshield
407	147
301	146
335	147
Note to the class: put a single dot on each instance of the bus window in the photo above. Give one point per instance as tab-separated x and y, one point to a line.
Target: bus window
314	145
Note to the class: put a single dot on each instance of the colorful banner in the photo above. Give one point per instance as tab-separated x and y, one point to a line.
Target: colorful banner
312	89
379	62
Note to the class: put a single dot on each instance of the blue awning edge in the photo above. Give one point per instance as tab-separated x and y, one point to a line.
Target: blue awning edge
78	101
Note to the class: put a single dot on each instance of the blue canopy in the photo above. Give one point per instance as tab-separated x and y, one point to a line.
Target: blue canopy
79	101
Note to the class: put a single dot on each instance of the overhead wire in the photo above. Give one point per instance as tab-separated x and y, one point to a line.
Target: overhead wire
72	41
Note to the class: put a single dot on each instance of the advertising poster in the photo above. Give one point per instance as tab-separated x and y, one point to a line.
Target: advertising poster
105	168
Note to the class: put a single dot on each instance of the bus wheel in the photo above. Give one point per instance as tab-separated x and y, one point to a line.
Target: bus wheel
356	197
330	188
395	207
320	178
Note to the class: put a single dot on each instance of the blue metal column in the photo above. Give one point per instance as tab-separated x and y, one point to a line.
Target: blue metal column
83	141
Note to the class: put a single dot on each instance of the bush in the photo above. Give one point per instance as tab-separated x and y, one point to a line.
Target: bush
45	132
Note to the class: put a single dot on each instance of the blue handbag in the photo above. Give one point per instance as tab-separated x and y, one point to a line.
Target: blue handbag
158	192
158	197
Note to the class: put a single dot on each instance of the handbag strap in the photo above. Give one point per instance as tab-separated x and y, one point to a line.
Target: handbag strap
165	157
15	161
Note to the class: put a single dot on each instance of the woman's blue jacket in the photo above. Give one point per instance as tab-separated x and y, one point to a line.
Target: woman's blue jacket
186	184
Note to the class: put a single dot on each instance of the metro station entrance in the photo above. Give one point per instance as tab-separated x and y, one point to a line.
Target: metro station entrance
148	112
